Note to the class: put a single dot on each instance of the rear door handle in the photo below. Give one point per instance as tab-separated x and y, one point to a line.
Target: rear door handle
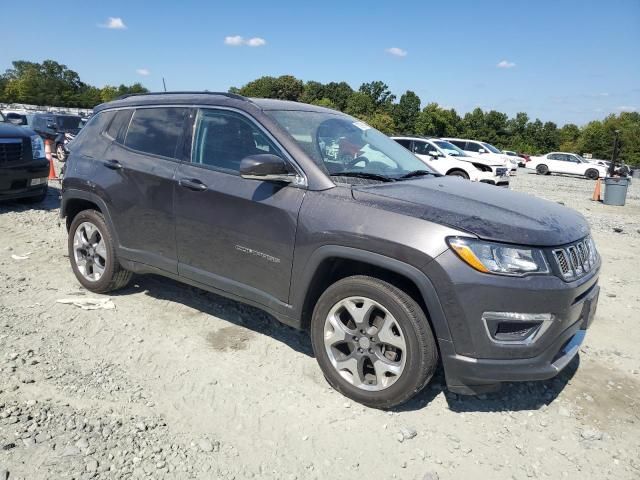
113	164
192	184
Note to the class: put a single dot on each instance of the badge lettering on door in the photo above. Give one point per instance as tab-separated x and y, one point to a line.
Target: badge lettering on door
251	251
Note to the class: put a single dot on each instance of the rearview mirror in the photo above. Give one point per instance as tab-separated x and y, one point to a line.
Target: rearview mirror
266	167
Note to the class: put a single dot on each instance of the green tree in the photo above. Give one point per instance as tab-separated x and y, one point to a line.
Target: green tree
360	105
313	92
338	93
438	122
569	135
379	93
406	112
382	121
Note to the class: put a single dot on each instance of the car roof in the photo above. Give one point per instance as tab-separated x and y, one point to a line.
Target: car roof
413	137
209	98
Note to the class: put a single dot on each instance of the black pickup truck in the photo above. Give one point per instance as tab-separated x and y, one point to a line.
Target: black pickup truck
23	166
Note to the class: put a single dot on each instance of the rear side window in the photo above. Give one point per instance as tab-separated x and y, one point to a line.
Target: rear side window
458	143
156	130
405	143
118	128
86	138
473	147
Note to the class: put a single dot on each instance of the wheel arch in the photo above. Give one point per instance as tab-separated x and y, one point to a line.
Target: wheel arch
457	169
74	201
330	263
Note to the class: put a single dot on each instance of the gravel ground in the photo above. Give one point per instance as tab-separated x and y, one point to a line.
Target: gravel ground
173	382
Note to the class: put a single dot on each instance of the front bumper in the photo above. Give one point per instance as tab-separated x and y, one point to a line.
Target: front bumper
473	361
493	179
15	179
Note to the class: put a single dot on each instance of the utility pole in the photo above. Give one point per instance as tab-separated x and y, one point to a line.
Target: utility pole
164	84
614	155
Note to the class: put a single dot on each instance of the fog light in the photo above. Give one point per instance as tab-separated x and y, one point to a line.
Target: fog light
513	328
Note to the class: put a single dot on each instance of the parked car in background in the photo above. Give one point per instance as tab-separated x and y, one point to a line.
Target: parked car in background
23	167
333	228
447	159
566	163
520	158
60	128
486	152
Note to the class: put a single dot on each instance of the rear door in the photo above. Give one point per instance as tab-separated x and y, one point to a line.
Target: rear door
234	234
137	182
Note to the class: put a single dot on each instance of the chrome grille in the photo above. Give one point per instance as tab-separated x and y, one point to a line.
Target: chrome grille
576	260
10	150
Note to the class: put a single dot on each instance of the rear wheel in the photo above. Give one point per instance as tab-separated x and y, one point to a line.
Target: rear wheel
60	153
92	254
542	169
373	342
458	173
592	174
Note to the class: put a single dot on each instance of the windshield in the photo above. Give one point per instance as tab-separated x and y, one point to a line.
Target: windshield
68	123
582	160
2	119
491	148
450	149
339	144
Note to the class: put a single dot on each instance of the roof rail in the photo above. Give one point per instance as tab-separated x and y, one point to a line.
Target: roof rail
224	94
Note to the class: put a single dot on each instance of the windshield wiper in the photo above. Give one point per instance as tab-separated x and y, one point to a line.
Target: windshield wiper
418	173
370	176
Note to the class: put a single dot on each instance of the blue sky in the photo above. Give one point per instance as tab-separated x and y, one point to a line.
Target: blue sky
564	61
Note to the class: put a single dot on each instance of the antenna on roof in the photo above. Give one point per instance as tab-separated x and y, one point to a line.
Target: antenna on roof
164	84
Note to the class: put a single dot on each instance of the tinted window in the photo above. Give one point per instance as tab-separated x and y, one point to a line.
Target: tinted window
68	123
86	138
473	147
423	148
156	130
404	143
224	138
458	143
118	128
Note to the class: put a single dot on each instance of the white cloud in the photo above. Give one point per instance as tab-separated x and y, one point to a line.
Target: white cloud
143	71
626	108
114	23
396	52
238	41
234	41
256	42
505	64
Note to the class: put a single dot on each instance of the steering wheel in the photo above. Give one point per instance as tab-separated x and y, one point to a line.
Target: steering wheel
355	161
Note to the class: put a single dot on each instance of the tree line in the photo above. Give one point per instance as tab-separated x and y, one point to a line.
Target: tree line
51	83
374	103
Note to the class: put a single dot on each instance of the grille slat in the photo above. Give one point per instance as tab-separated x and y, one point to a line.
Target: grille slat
10	151
576	260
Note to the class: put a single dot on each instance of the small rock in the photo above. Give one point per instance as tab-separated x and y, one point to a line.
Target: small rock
205	445
618	229
408	433
9	446
591	434
28	442
611	295
161	465
82	444
70	451
92	465
431	476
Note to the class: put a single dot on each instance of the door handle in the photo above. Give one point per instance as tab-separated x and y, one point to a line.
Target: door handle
192	184
112	164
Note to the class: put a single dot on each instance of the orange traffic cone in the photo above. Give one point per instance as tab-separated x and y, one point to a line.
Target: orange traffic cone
48	154
596	192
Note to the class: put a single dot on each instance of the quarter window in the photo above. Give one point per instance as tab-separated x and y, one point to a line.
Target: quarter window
224	138
156	130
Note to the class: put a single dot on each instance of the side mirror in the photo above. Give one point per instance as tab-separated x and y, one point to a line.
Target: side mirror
482	150
434	154
267	168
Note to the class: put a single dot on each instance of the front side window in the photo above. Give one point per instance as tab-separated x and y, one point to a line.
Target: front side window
473	147
223	138
343	145
491	148
156	130
450	149
424	148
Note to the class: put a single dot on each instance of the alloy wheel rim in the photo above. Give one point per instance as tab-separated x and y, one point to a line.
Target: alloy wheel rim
365	343
89	251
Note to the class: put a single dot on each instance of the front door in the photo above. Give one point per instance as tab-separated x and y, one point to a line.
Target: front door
234	234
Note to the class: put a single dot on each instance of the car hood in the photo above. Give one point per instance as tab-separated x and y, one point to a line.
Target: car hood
10	130
491	213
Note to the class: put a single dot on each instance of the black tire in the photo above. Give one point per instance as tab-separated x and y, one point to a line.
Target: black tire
39	198
114	276
542	169
592	174
421	357
60	153
458	173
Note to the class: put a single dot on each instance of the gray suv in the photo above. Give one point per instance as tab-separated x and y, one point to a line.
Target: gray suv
333	228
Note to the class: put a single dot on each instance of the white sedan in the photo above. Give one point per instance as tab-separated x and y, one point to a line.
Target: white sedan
567	163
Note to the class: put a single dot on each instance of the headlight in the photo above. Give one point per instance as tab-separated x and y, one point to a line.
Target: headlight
482	167
497	258
37	147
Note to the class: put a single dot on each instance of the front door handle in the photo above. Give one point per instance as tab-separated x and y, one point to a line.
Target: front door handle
192	184
113	164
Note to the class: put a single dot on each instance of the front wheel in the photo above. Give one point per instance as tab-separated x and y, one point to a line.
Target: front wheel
458	173
60	153
373	342
592	174
542	169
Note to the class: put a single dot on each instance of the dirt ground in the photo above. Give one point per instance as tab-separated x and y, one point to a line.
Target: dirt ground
173	382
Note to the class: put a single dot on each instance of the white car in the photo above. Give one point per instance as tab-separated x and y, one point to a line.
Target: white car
447	159
567	163
486	152
521	160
